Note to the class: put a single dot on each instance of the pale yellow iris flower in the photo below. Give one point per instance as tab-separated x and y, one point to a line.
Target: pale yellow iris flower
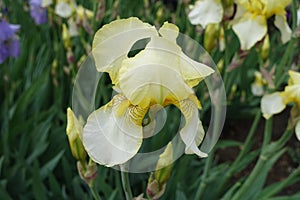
159	74
250	22
276	102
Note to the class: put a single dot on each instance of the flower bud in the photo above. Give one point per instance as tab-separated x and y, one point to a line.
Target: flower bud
66	37
265	48
158	180
211	35
74	133
87	173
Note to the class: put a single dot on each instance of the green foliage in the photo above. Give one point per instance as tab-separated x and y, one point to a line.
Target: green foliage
35	159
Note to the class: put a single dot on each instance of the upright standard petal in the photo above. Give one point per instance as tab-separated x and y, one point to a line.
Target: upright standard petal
281	23
192	133
272	104
160	71
206	12
113	133
113	42
250	29
193	72
153	74
272	7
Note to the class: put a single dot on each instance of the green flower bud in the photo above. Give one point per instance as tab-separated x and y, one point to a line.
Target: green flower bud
74	133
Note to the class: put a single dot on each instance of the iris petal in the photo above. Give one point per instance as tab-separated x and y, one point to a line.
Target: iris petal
206	12
160	71
190	137
112	134
297	130
272	104
281	23
250	29
113	42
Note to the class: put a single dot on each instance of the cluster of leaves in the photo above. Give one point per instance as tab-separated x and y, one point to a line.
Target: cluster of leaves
35	159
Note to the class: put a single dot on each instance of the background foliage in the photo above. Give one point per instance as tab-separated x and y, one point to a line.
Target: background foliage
36	88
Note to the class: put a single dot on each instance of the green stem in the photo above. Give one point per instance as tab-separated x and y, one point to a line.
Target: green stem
268	133
204	176
126	185
94	192
280	69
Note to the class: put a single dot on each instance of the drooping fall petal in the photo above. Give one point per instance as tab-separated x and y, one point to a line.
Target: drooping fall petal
250	29
112	134
281	23
190	137
272	104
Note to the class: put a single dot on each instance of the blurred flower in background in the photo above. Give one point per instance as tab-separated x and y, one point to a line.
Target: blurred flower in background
9	42
257	86
276	102
38	12
206	12
250	21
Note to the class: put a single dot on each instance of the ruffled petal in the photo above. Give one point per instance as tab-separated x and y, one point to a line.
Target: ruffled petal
206	12
281	23
192	133
272	104
113	42
153	74
250	29
169	31
113	133
159	72
193	72
297	130
272	7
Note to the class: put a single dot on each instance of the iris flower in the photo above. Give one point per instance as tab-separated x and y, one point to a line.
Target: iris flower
159	74
206	12
38	12
276	102
250	23
65	8
9	43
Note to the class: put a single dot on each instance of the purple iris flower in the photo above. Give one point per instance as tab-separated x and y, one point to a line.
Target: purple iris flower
9	43
37	12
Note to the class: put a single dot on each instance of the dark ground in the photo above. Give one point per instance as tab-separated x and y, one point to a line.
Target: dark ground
238	129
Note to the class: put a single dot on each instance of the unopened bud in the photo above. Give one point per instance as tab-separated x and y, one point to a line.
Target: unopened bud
66	37
74	133
211	35
265	48
87	173
158	180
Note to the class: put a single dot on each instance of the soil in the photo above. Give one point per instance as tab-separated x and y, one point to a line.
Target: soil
238	129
